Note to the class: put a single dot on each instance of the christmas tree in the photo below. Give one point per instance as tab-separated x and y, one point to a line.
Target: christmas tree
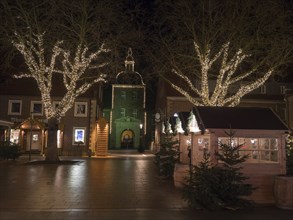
222	185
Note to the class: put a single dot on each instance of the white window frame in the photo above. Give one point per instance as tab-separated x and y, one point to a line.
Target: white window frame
134	113
79	136
55	104
77	106
10	108
254	148
33	103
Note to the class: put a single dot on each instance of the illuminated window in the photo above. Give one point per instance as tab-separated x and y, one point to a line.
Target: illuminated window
258	149
14	136
79	135
14	107
35	137
203	142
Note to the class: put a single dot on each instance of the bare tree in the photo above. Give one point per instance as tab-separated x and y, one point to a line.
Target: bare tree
73	69
82	26
117	24
215	52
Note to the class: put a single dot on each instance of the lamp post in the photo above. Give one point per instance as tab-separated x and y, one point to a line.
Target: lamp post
189	152
141	148
31	133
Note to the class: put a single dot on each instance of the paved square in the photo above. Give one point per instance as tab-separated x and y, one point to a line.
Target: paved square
123	187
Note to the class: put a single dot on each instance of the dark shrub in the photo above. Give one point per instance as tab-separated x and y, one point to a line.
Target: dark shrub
9	150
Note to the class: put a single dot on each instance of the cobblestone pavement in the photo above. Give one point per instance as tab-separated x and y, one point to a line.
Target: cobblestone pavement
116	187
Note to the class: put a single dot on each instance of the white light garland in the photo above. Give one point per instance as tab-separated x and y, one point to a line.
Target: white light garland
73	71
221	94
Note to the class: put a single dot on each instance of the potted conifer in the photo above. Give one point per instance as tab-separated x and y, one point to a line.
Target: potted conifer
283	188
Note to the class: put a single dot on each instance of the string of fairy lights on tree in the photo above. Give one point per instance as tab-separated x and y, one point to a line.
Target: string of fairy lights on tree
220	94
73	70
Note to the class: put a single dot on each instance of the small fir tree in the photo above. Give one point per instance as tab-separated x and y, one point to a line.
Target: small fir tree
198	189
232	188
168	155
223	185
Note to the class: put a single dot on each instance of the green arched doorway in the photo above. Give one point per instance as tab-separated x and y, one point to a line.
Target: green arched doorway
127	139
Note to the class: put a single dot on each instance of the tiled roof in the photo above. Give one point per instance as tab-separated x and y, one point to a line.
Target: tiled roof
238	118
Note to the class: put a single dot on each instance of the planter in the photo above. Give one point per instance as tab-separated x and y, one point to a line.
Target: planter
283	190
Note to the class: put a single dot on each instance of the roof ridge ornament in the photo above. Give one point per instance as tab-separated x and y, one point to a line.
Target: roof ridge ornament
129	61
129	53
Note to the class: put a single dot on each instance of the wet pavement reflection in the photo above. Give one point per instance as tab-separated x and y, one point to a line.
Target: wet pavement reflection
98	188
119	183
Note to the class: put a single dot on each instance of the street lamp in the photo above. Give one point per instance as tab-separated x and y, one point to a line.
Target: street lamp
189	152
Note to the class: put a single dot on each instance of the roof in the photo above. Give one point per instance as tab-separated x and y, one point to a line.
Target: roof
129	76
30	124
6	123
238	118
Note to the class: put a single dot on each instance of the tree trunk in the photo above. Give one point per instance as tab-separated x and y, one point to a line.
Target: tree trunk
52	151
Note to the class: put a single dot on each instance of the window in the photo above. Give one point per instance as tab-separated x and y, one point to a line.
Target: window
80	109
14	107
123	95
203	142
258	149
263	89
134	95
283	90
122	111
55	106
37	107
79	136
134	113
14	136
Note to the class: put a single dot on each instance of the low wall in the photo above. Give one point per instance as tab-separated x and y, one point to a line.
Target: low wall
262	176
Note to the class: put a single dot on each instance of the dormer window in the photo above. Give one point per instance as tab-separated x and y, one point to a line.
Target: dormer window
283	90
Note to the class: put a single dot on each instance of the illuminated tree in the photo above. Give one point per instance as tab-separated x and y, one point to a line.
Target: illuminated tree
118	24
73	68
84	22
220	94
215	52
